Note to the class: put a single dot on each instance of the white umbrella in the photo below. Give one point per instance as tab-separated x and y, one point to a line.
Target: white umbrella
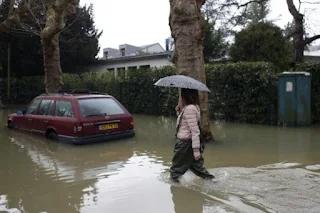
182	81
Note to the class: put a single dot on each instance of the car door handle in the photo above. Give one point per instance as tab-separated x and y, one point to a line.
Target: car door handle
46	121
30	119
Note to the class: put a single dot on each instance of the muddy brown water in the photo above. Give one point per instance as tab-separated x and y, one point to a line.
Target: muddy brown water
257	169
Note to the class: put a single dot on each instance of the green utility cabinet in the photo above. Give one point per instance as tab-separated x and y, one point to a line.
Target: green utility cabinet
294	98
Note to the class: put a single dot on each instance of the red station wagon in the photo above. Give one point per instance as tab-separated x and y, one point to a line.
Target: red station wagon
77	117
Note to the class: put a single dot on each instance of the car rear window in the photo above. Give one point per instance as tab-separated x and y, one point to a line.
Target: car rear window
90	107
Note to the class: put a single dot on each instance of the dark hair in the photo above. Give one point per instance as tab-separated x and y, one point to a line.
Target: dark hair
190	96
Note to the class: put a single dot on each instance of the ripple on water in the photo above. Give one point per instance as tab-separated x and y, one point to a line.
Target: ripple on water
282	165
284	188
313	167
3	205
256	190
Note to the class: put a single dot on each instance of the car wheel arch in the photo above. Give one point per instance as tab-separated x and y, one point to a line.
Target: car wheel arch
10	124
49	130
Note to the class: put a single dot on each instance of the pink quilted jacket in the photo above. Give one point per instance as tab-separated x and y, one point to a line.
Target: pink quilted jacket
189	128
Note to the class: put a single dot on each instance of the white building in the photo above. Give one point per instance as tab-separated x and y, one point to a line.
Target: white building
313	54
129	57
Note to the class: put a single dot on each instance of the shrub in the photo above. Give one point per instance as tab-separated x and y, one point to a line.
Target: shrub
242	92
314	69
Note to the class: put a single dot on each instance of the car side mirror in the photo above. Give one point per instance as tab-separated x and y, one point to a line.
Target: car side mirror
24	111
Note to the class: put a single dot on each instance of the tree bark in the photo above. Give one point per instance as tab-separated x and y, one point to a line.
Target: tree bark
187	28
52	67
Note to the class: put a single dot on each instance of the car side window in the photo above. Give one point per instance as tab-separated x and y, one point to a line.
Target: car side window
64	109
32	108
45	107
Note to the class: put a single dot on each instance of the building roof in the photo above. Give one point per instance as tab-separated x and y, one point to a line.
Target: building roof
166	54
130	50
313	51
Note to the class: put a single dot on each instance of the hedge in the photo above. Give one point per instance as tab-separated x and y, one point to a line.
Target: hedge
242	92
314	69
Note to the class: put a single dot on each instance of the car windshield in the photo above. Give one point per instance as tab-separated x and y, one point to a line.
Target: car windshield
91	107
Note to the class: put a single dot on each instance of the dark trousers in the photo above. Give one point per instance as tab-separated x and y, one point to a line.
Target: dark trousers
183	160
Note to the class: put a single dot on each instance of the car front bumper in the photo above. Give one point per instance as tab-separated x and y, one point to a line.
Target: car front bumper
97	138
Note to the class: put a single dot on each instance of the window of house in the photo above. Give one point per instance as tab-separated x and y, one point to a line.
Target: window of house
122	72
64	109
106	54
123	52
45	107
144	66
110	69
32	108
132	68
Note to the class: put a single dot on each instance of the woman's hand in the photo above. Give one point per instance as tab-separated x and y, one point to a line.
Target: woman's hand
196	155
179	106
178	109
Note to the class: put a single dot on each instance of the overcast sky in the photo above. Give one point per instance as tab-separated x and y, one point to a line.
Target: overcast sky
141	22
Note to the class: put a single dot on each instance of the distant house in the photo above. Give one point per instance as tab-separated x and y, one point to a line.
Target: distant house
130	50
129	57
312	55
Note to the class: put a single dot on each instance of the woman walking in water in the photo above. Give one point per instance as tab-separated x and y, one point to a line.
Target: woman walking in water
188	149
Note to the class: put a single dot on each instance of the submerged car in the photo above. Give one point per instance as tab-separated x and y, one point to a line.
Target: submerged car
76	117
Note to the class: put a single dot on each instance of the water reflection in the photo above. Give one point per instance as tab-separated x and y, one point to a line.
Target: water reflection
187	200
60	176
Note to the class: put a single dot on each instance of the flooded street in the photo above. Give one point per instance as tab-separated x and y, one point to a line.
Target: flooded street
257	169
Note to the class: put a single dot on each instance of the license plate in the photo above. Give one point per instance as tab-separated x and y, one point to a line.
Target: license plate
108	126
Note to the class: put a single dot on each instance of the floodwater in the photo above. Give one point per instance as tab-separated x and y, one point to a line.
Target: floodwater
257	169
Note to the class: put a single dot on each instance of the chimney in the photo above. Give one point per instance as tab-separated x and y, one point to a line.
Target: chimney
167	44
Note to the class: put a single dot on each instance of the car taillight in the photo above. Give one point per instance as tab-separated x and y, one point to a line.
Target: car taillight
131	123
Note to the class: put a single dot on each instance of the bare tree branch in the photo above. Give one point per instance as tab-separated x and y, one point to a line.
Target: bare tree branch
308	2
293	10
56	15
35	18
311	39
11	7
238	5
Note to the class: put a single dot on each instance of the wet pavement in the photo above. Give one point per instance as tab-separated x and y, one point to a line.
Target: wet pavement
257	169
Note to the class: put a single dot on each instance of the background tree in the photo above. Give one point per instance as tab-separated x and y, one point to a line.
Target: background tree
78	45
262	42
258	11
215	46
229	15
46	19
188	30
300	40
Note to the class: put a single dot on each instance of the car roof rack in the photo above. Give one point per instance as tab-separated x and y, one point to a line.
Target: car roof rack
78	91
64	91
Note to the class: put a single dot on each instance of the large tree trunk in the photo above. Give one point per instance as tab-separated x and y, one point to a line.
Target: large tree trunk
55	23
52	68
187	28
298	40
